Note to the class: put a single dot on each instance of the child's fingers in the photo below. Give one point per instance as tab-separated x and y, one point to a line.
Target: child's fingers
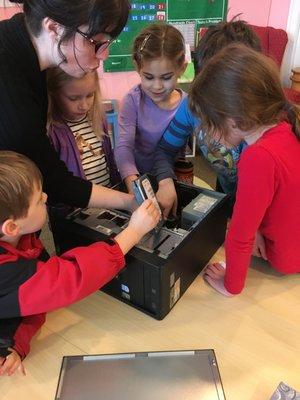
211	268
17	364
8	364
174	208
210	274
148	207
147	204
215	271
262	252
152	210
22	370
13	368
154	214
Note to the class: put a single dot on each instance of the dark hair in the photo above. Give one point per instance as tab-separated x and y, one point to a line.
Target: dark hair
159	40
224	33
244	85
18	175
108	16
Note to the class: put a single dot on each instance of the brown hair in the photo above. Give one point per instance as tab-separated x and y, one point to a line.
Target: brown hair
244	85
159	40
18	175
222	34
56	79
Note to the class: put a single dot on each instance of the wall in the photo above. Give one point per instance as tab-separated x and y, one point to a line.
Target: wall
271	13
292	54
261	12
257	12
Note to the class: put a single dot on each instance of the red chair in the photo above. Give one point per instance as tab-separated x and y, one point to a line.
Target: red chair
273	42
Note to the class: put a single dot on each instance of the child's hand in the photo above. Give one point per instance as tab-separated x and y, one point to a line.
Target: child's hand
259	247
214	275
11	363
145	218
167	196
128	182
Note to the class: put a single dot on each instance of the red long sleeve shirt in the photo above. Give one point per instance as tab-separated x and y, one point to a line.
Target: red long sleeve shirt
268	200
29	287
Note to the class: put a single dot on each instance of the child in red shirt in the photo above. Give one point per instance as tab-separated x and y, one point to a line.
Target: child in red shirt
31	283
238	96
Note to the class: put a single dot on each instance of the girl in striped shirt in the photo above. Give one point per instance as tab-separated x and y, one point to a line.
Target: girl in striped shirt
77	127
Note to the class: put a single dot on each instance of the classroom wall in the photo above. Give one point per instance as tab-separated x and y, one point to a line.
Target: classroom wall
257	12
261	12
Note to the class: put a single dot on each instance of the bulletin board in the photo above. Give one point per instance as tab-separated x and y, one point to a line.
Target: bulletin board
186	15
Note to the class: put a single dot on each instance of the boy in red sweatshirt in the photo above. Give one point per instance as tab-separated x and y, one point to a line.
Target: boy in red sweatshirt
31	283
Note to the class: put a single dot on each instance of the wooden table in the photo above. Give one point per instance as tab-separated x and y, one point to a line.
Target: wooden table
256	335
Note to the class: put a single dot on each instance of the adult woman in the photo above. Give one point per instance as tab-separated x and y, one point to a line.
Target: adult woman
72	35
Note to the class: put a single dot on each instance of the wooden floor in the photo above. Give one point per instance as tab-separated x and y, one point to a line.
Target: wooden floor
256	335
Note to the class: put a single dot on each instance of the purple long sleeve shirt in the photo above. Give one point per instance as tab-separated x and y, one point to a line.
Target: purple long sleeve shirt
141	126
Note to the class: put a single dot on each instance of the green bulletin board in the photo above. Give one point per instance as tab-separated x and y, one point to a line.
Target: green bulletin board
186	15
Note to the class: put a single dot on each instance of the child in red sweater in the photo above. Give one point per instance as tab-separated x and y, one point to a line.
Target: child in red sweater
32	283
238	96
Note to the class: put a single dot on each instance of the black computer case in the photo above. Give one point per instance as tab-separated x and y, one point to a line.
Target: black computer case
161	268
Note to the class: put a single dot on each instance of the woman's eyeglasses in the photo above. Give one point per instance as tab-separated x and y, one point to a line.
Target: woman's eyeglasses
99	46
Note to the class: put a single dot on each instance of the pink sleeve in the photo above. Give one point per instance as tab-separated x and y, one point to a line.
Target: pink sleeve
256	185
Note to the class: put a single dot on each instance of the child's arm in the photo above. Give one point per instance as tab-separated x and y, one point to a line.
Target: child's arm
256	183
39	287
27	329
174	138
21	331
124	151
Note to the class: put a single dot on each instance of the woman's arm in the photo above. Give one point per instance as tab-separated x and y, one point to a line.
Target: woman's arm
104	197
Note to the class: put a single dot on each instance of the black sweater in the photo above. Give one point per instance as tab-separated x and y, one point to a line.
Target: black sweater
23	114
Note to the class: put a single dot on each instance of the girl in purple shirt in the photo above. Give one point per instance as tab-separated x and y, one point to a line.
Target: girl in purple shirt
148	108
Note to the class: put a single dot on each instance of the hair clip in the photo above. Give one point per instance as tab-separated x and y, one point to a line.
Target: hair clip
144	43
